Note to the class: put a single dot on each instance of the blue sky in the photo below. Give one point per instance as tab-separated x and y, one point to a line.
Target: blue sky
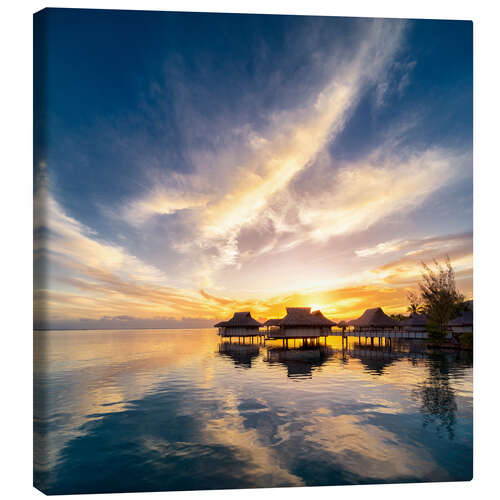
194	164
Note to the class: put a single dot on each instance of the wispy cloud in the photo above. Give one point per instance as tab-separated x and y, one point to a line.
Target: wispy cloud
381	248
231	190
361	194
419	246
89	278
282	187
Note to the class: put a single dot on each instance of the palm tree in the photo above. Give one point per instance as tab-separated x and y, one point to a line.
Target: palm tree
415	309
398	317
415	306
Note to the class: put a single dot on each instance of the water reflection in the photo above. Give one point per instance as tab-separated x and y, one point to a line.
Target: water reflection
375	359
376	364
436	393
156	410
301	361
241	354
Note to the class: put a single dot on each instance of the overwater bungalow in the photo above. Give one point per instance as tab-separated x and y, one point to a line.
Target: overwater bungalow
272	324
240	325
374	321
344	326
415	323
300	322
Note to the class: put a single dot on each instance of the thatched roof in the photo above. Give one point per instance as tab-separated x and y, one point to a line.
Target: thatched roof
272	322
415	320
320	315
465	319
302	316
375	318
240	319
342	323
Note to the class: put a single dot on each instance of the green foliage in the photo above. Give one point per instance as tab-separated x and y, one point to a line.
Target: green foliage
466	340
441	300
415	303
466	306
435	334
398	317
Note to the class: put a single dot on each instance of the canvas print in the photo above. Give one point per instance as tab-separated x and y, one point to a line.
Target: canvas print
252	251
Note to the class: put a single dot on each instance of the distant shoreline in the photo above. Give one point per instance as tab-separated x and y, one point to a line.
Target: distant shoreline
111	329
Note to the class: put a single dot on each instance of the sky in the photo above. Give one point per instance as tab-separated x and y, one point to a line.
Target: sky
191	165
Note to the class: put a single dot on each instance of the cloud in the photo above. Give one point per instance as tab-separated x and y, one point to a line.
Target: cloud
419	246
360	194
406	70
280	186
381	248
218	300
85	276
397	79
385	285
162	203
232	188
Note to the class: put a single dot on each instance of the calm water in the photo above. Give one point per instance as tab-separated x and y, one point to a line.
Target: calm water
123	411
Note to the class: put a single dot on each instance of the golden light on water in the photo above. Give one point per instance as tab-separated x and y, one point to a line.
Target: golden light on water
357	393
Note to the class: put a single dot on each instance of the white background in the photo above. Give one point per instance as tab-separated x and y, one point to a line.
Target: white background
16	239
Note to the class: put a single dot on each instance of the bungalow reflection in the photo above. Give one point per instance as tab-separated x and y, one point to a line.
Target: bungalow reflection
241	354
302	356
376	357
374	361
300	361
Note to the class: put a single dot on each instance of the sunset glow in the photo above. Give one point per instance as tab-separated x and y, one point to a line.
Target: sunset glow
321	173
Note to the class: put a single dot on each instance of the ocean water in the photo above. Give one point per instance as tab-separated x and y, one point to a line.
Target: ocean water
120	411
